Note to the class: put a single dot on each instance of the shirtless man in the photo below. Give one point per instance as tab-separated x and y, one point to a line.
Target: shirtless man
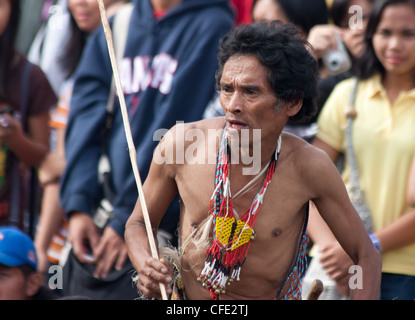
256	92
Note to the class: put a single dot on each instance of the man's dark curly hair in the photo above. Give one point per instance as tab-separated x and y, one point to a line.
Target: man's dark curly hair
280	48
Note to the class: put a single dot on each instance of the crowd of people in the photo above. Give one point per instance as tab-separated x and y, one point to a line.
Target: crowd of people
69	196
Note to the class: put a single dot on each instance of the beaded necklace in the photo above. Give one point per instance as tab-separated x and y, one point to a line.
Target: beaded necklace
231	236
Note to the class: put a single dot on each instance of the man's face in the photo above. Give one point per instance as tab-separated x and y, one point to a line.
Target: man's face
248	99
12	284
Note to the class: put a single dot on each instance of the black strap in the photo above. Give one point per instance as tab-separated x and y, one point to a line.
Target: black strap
15	205
25	95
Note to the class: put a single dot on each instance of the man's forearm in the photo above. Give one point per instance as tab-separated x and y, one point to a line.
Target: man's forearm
364	282
138	246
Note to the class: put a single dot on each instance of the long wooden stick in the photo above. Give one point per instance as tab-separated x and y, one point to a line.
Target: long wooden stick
130	142
317	288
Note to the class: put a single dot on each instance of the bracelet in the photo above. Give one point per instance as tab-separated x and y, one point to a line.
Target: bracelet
375	241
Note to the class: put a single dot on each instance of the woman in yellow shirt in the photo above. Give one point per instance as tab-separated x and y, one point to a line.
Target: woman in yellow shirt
384	144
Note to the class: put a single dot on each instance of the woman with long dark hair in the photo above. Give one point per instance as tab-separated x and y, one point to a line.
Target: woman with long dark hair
84	19
383	143
25	100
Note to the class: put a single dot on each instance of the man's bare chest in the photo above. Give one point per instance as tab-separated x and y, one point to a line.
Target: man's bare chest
282	204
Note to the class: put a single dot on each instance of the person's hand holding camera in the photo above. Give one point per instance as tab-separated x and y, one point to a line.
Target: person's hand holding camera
323	38
10	127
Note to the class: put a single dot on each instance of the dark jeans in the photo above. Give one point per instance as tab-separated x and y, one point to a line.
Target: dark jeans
397	287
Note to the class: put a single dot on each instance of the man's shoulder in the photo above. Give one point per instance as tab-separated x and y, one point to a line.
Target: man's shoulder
311	166
303	154
294	143
210	123
198	134
204	125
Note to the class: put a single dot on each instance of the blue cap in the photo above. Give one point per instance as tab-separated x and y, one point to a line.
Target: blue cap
16	248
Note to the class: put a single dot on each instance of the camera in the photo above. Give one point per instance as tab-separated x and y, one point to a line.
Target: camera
3	121
337	61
